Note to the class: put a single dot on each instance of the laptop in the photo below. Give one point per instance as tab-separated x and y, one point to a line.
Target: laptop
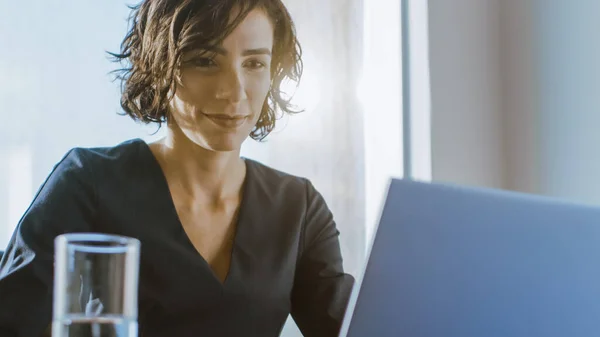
455	261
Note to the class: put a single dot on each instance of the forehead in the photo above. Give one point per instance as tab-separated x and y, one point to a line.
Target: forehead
255	31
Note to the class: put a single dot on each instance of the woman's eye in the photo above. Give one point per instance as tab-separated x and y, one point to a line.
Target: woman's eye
255	65
204	62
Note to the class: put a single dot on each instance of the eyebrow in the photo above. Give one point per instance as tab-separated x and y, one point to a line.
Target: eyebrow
257	51
247	52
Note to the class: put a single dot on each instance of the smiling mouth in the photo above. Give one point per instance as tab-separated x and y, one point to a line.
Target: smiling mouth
226	121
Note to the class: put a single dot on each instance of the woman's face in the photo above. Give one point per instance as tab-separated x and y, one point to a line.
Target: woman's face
221	92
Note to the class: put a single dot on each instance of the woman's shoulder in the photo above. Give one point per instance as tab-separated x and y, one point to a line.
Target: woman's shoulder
95	158
125	150
90	164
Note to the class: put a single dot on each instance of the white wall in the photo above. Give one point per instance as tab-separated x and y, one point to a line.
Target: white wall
516	95
568	82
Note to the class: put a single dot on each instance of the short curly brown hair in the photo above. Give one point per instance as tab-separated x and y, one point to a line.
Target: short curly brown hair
161	31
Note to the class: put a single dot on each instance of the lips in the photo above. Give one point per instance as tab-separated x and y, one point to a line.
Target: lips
226	121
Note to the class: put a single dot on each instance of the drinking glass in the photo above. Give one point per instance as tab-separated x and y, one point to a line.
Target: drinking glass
95	285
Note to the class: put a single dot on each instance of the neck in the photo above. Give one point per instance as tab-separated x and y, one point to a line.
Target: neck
201	173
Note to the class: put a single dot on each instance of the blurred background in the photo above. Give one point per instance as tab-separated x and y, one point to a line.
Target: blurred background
501	93
515	95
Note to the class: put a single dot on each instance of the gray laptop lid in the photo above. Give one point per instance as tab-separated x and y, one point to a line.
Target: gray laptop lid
467	262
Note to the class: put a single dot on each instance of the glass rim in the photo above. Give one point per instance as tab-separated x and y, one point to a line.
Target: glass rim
81	240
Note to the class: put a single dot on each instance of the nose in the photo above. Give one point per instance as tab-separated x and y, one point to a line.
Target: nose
231	87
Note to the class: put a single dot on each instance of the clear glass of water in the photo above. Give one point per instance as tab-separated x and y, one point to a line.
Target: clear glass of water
95	285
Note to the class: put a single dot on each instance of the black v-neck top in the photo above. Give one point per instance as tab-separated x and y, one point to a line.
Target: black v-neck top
286	254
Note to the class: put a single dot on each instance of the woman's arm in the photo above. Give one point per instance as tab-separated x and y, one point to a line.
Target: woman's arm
321	288
64	203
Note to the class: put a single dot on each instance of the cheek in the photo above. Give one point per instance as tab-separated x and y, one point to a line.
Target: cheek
259	91
185	103
181	110
195	88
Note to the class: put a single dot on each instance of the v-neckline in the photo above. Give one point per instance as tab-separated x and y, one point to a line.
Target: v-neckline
164	186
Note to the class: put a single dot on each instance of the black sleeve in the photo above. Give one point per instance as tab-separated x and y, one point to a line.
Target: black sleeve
64	203
321	288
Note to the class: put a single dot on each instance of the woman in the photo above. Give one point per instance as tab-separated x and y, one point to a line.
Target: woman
230	247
